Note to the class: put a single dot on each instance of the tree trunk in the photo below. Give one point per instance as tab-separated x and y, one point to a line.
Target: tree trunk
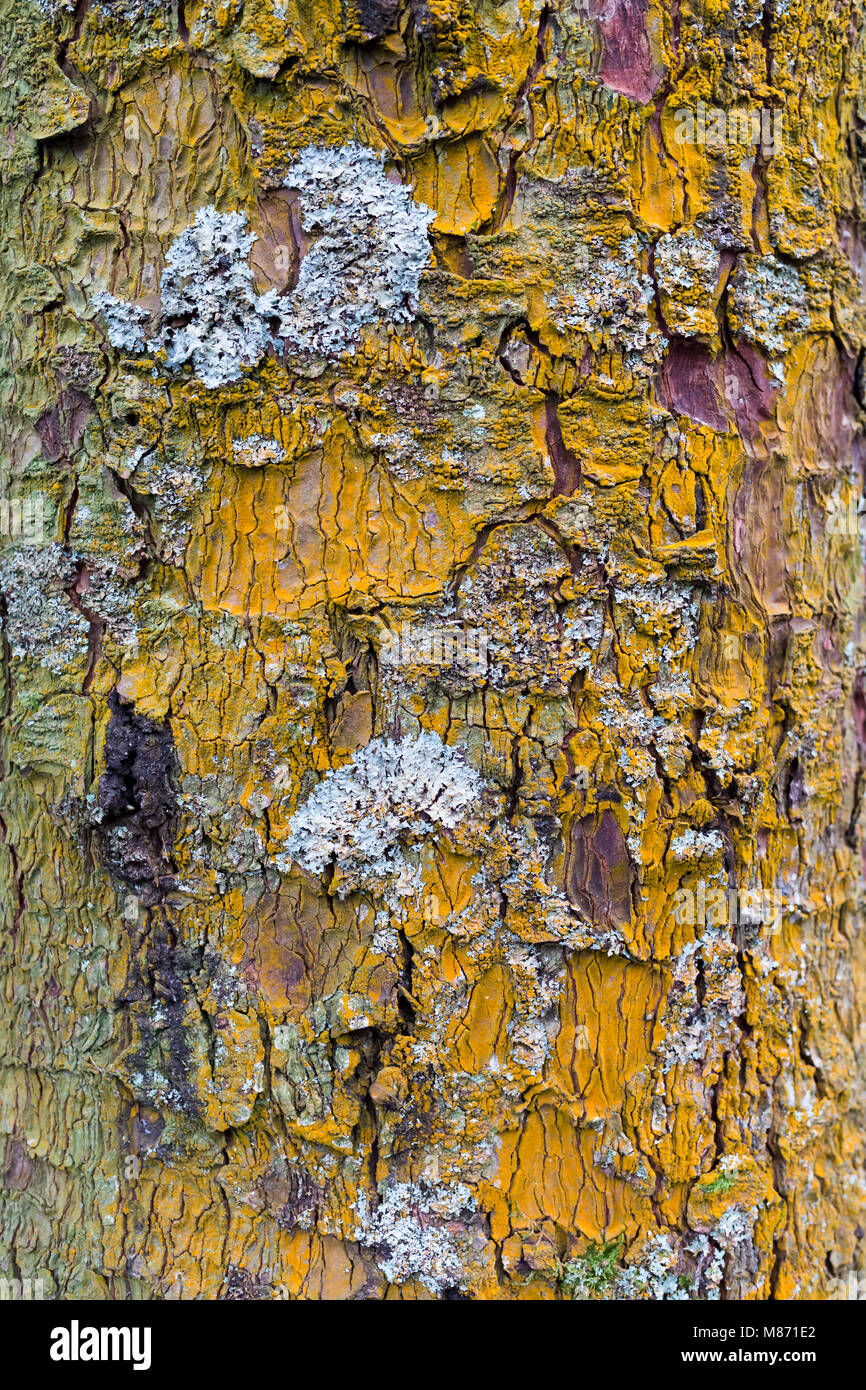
434	727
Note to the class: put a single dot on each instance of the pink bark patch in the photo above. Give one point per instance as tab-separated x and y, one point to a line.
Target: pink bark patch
627	65
720	392
61	427
689	384
749	390
598	871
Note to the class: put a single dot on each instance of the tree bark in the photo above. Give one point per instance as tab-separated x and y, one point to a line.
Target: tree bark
433	713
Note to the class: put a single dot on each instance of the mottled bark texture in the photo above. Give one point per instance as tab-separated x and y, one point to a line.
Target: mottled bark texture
433	716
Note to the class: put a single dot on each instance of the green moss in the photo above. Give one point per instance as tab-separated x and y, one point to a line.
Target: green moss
723	1183
592	1275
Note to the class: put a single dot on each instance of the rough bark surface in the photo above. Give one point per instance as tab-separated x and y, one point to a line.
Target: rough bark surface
434	728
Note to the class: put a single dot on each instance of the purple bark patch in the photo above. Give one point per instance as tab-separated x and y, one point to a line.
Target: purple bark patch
627	65
731	390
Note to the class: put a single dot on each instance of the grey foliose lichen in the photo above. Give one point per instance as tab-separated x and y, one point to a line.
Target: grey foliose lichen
40	620
372	248
208	284
683	257
687	270
257	451
126	322
391	793
364	269
121	11
416	1230
607	302
769	301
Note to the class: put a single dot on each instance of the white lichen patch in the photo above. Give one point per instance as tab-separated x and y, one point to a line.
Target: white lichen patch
608	303
687	272
112	600
371	249
211	315
41	620
120	11
409	458
126	322
656	608
658	1274
683	258
392	793
697	1030
208	281
660	735
414	1232
386	939
697	844
769	302
584	624
174	485
671	1266
257	450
